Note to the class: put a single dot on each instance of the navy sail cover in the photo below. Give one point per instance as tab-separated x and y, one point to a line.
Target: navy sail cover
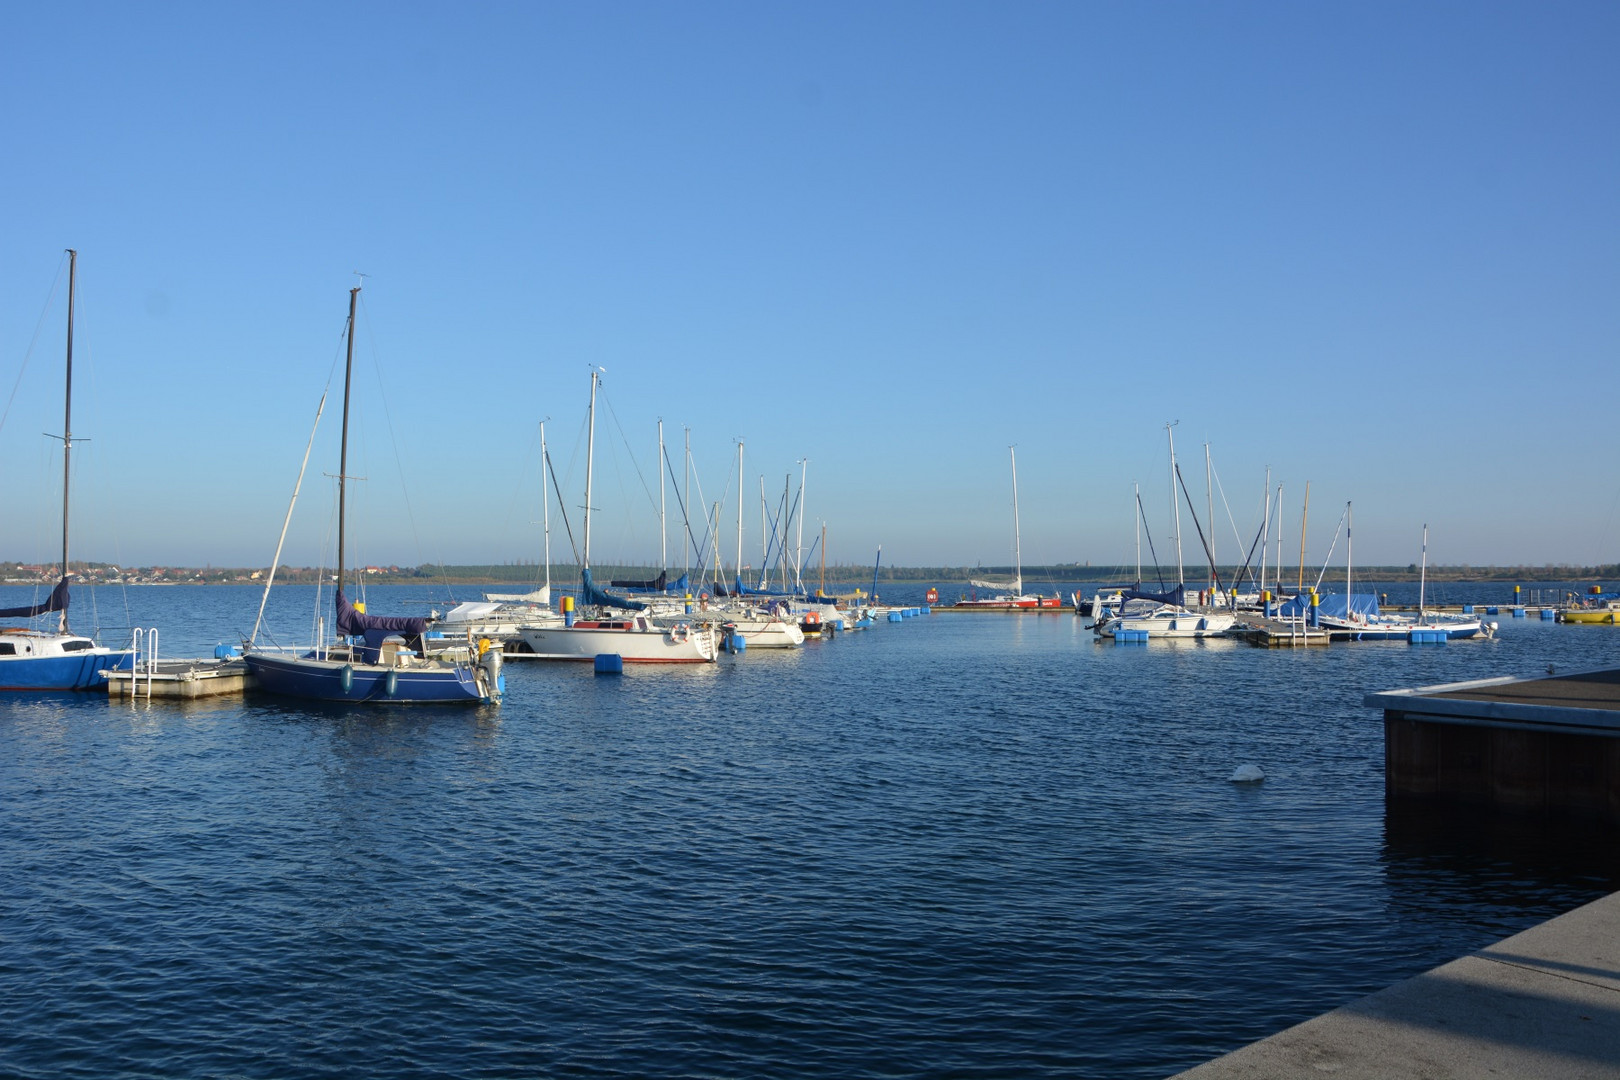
657	584
57	601
375	628
1176	596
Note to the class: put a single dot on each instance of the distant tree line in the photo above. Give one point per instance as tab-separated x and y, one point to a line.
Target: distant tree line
844	574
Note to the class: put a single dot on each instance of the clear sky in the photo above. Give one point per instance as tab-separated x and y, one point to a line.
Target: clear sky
1373	246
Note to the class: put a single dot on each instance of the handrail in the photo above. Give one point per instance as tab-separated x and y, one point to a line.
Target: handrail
148	637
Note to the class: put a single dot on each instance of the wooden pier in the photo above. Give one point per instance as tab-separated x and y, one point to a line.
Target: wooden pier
1547	745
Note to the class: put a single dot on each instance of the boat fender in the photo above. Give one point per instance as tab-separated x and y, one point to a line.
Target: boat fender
483	645
391	684
346	678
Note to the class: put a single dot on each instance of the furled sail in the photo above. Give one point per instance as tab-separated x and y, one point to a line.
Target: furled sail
590	594
541	596
57	601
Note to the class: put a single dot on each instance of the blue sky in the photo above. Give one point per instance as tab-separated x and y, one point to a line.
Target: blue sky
1374	247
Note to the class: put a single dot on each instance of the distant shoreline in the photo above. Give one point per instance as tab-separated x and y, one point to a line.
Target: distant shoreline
564	577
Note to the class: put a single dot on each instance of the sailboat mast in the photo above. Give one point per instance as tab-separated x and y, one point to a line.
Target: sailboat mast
739	510
1175	505
545	496
686	502
1209	489
1423	573
764	537
821	587
1018	554
590	454
798	558
1265	529
67	422
1349	528
1278	564
663	522
1304	516
343	453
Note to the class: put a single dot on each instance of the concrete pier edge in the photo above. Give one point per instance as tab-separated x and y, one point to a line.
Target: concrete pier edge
1543	1004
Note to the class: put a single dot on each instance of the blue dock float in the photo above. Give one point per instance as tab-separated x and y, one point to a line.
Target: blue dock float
609	664
1427	637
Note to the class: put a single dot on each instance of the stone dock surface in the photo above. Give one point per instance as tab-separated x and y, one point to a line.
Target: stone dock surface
1542	1004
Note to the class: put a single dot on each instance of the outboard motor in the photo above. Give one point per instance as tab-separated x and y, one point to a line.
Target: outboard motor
490	661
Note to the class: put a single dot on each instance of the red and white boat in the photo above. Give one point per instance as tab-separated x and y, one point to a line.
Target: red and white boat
1011	596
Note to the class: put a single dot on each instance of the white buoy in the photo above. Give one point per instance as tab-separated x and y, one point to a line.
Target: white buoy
1248	774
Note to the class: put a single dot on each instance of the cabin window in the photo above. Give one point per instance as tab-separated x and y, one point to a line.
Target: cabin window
77	646
7	649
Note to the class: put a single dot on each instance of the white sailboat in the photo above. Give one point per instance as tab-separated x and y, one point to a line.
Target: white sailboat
57	659
1011	595
502	616
1165	615
615	625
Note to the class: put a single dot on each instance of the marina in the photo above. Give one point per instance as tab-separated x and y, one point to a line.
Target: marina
925	813
514	564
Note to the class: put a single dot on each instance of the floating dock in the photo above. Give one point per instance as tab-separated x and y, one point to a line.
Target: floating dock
181	679
1279	633
1548	745
1007	609
1539	1004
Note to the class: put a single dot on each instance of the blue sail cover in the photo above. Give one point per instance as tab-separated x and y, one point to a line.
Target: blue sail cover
57	601
1176	596
657	584
375	628
590	594
744	590
1332	605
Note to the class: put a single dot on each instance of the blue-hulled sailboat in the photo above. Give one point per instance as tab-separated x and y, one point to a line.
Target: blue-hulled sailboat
376	659
32	659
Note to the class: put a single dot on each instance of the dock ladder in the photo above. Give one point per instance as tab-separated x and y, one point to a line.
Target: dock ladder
146	661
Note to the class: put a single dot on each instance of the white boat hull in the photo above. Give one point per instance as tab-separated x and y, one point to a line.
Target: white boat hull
1171	623
636	641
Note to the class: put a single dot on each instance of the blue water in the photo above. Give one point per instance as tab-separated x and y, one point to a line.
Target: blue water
961	845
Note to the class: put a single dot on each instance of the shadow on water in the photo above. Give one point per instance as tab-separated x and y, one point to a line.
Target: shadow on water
1509	871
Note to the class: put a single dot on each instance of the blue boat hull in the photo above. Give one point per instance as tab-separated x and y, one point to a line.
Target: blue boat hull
75	671
330	680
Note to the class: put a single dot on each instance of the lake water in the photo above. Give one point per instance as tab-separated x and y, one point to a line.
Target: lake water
961	845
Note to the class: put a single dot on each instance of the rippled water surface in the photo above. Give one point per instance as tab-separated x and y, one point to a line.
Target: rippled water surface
962	845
